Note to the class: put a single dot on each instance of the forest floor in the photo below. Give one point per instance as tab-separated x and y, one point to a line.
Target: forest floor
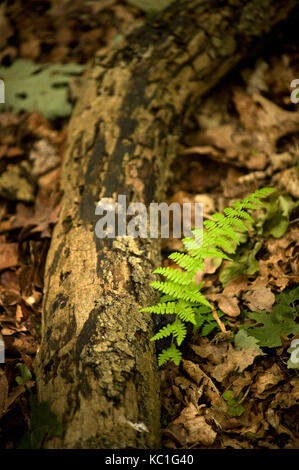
235	388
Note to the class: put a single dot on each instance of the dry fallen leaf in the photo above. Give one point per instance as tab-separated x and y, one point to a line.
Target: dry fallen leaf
44	156
8	255
210	351
259	298
288	180
236	285
253	143
194	371
226	303
234	361
5	28
268	379
3	392
190	428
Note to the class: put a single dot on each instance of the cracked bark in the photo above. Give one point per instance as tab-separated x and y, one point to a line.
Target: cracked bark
96	365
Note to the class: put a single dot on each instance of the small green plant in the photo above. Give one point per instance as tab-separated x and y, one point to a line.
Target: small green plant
234	407
268	327
25	374
182	295
44	424
150	6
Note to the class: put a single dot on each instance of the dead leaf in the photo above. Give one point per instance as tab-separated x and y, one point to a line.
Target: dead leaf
268	379
194	371
236	285
273	419
15	183
8	331
16	392
187	391
44	157
241	382
259	298
8	255
256	78
257	161
235	361
212	352
226	303
288	180
190	428
26	345
3	392
251	145
279	161
5	28
211	265
207	203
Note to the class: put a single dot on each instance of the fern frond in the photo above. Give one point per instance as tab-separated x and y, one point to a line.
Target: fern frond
192	293
261	193
175	275
238	213
210	225
225	244
177	329
182	296
240	224
186	314
225	230
211	253
191	244
240	206
165	308
186	262
182	309
170	354
220	240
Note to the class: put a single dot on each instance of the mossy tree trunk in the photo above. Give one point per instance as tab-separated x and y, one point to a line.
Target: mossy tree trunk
96	364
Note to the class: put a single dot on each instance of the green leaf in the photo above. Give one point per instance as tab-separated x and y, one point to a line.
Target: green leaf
268	327
150	6
293	362
177	329
268	334
25	374
252	264
208	327
243	263
275	221
205	319
43	425
244	341
170	354
41	87
234	408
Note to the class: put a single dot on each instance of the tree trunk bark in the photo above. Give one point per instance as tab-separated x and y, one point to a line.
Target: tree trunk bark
96	364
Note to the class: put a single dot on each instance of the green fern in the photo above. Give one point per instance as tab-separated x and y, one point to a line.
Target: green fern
171	354
183	295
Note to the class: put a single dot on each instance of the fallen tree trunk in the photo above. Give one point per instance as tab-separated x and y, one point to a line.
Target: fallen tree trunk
96	365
